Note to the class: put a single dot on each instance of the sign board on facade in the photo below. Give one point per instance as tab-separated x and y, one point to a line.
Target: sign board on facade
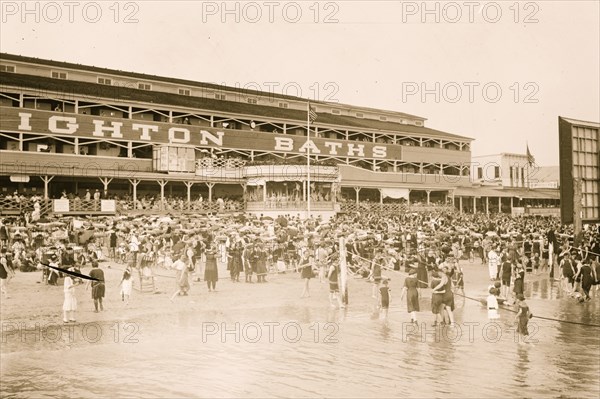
61	206
21	120
108	206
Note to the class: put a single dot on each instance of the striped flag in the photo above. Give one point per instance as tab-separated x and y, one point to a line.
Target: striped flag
530	158
312	114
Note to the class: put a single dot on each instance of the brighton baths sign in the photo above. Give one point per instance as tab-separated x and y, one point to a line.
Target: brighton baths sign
88	126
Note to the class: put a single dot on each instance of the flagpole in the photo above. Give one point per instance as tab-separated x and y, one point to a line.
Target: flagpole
307	160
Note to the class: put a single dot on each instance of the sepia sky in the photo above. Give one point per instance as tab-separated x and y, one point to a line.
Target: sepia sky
499	72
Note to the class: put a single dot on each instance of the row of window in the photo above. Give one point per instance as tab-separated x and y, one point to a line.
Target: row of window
7	68
140	86
187	92
381	117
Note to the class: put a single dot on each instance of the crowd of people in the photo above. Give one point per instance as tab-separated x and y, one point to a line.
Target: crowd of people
426	247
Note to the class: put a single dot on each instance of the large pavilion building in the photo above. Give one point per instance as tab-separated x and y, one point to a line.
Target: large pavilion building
68	128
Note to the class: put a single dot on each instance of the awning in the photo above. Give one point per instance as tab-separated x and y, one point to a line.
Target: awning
395	193
255	182
522	193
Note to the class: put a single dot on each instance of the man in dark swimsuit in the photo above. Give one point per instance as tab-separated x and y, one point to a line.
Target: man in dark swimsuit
334	288
384	295
568	272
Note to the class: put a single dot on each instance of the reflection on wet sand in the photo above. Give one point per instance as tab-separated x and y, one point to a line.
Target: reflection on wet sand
368	357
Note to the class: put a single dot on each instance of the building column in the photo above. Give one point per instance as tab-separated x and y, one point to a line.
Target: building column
210	187
244	192
188	185
499	204
134	183
487	205
460	205
380	196
428	194
474	205
105	182
357	189
46	180
511	204
304	191
162	184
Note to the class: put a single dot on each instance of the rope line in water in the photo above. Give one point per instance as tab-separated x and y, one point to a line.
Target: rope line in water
501	306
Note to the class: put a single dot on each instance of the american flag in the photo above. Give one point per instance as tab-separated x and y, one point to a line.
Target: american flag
530	158
312	114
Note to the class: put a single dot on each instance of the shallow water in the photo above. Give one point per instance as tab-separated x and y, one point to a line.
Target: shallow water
304	351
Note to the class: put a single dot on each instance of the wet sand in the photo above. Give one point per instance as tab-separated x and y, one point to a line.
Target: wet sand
158	348
33	304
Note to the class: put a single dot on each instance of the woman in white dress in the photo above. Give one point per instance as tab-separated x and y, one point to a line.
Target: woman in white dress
70	303
126	285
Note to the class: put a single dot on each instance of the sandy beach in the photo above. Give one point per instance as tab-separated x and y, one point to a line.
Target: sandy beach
33	303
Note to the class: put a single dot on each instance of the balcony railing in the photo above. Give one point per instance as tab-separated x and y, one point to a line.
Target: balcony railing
13	207
127	206
351	207
10	206
289	205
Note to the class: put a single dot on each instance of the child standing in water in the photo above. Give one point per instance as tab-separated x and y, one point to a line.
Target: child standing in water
492	303
385	297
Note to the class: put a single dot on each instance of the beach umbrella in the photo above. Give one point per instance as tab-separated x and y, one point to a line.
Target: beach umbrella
216	226
60	235
282	221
